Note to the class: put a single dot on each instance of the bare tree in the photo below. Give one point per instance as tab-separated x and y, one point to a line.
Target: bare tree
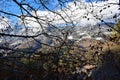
31	28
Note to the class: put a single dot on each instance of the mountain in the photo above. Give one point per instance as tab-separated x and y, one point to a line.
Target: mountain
81	20
31	44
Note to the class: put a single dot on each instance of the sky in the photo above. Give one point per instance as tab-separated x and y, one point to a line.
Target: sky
12	7
84	14
79	14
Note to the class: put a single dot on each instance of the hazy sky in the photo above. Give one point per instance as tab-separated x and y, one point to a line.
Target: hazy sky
76	15
80	14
